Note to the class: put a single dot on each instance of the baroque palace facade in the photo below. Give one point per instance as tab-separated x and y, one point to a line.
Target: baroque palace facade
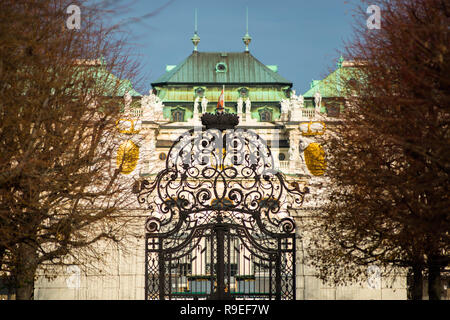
266	104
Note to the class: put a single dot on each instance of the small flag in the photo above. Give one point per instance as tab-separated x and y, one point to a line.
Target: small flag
220	103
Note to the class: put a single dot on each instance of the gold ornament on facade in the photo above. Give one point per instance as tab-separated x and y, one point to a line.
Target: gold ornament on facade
126	126
127	156
315	159
310	132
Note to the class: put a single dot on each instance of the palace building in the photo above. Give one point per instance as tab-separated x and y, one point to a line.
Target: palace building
287	122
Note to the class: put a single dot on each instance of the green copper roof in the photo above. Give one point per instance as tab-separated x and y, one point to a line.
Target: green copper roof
256	94
202	68
116	86
334	84
113	85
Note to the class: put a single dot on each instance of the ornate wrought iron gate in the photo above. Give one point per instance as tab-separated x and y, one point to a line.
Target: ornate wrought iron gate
219	226
219	262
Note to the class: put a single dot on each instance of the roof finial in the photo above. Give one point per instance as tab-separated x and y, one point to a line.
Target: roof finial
195	38
340	62
247	39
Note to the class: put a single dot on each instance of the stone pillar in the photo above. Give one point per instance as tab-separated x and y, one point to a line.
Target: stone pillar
148	141
294	154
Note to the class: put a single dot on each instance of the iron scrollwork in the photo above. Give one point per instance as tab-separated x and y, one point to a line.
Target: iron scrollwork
214	175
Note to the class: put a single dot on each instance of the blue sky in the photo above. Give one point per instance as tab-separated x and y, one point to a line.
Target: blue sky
302	37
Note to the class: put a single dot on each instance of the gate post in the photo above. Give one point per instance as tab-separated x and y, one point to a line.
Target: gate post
278	272
162	273
220	293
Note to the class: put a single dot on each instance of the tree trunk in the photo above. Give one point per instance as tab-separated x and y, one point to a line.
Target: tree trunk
415	287
434	279
25	271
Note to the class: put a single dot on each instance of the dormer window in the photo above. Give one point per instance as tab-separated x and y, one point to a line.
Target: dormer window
265	115
178	115
243	92
199	92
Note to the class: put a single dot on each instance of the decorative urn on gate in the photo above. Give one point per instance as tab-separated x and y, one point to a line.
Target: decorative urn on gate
221	121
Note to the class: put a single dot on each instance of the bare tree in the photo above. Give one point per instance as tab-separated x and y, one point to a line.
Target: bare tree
60	189
388	163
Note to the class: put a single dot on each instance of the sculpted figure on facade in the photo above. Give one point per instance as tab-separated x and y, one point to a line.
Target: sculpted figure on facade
147	108
240	104
317	101
204	104
293	95
248	108
196	106
296	105
127	100
301	101
157	103
152	107
285	108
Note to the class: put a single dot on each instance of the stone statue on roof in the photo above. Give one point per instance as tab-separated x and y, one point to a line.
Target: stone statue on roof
127	100
317	100
301	101
240	104
152	107
293	96
196	105
156	102
147	108
285	108
204	104
296	105
248	108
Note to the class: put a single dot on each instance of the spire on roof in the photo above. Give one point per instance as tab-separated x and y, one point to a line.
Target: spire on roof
195	38
247	39
340	61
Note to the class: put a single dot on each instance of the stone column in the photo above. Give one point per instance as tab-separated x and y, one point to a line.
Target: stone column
148	141
294	154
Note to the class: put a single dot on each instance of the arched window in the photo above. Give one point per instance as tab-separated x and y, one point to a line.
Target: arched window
265	115
178	115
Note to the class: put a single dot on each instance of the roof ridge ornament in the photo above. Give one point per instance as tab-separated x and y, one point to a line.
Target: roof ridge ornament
247	39
340	62
195	38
